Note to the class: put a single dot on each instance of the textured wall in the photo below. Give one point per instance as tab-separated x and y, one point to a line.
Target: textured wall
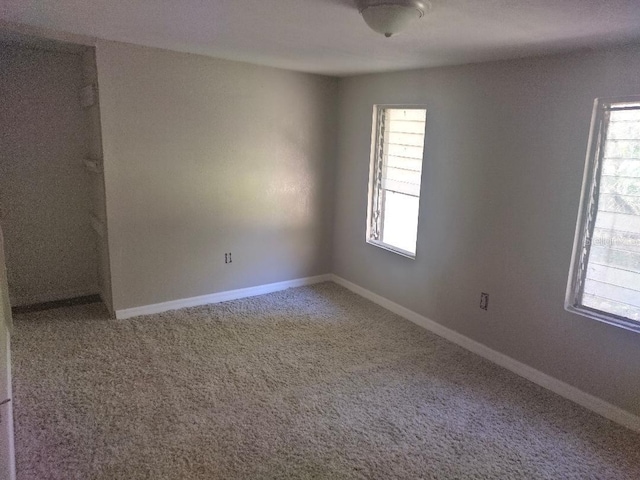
96	179
505	153
44	190
206	156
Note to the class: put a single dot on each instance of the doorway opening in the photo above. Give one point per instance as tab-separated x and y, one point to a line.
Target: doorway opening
52	191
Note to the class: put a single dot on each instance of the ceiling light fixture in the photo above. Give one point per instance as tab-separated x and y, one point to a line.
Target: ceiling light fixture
389	17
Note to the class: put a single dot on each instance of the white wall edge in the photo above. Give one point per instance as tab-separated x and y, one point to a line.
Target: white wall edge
586	400
219	297
108	305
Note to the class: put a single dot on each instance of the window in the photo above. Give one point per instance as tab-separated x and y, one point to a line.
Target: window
604	282
397	151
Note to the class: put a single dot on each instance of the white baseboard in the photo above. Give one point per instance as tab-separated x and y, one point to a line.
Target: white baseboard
219	297
559	387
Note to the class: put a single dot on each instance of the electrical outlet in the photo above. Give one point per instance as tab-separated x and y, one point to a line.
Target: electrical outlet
484	301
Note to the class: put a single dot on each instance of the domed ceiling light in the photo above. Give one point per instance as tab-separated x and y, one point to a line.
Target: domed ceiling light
389	17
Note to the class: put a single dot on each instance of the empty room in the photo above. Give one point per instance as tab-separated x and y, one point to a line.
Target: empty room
328	239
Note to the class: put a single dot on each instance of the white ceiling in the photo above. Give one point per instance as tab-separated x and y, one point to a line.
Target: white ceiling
330	37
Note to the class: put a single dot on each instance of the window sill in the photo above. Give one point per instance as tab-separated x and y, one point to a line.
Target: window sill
604	317
391	248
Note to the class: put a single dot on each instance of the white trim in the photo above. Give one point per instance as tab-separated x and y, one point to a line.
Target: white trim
390	248
559	387
9	409
219	297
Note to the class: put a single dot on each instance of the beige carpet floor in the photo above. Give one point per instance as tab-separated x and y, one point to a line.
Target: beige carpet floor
313	382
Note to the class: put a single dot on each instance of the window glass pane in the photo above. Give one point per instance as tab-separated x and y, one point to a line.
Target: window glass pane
401	221
396	177
612	274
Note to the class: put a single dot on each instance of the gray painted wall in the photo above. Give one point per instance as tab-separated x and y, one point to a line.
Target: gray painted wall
96	179
44	190
206	156
505	152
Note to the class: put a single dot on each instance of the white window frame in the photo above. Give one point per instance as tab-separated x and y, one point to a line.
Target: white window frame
586	217
375	126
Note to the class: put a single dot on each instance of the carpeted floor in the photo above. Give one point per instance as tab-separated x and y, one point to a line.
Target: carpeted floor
313	382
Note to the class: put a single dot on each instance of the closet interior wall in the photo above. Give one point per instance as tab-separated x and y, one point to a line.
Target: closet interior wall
94	165
47	196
